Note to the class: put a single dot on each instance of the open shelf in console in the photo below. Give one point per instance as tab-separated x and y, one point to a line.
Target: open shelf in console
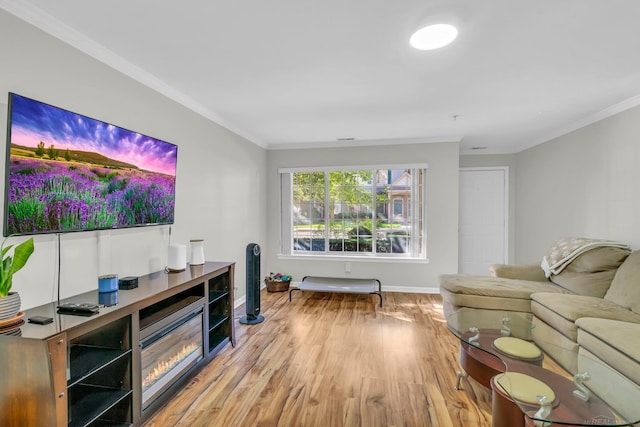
217	320
99	399
218	328
88	359
214	295
158	311
220	311
221	283
99	375
219	324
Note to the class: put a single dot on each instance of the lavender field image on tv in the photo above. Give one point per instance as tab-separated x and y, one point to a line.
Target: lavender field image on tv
68	172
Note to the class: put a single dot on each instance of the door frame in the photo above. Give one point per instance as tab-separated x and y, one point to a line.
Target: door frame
505	169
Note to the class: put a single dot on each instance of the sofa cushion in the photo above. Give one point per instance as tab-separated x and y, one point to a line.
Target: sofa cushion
590	284
618	391
493	293
625	287
519	271
614	342
591	273
561	311
561	349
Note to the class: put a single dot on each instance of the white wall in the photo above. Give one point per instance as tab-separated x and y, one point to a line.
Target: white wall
585	183
220	190
442	213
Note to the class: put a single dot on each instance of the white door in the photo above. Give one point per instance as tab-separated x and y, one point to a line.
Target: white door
483	219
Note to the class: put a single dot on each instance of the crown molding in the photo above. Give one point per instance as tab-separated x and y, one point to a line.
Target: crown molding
58	29
627	104
364	142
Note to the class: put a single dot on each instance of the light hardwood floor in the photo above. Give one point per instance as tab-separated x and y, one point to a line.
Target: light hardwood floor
334	360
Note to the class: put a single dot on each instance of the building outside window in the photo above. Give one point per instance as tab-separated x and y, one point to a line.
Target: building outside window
371	212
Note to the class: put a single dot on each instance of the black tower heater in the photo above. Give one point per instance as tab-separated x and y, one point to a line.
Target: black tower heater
253	286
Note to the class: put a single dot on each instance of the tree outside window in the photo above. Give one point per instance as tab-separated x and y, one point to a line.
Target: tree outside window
360	212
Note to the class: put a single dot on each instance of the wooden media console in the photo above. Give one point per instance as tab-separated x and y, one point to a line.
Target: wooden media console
101	370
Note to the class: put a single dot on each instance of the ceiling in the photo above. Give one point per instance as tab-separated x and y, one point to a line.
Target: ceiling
304	73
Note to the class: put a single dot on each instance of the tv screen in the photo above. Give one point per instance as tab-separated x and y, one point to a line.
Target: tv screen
68	172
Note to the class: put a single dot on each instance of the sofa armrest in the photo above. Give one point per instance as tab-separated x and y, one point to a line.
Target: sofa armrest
523	272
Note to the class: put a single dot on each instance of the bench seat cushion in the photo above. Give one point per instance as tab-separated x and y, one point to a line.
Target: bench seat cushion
337	284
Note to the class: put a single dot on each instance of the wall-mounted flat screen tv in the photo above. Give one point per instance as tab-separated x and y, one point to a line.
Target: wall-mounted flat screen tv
68	172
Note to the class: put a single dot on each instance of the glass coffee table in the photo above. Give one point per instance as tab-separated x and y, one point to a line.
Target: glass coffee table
496	350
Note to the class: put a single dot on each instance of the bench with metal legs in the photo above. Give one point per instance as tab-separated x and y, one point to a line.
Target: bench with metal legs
339	285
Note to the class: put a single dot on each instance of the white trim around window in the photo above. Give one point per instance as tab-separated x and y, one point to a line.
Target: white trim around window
328	222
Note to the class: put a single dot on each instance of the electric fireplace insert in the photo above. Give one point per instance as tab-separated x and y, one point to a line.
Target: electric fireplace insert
170	345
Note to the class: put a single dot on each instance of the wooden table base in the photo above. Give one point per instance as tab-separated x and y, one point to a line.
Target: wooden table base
504	412
483	366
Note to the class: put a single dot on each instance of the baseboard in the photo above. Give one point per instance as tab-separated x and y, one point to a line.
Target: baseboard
403	289
410	289
241	300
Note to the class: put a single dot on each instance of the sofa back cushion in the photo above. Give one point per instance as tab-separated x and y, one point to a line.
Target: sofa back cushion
625	287
591	273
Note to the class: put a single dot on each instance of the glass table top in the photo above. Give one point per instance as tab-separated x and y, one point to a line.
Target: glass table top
501	343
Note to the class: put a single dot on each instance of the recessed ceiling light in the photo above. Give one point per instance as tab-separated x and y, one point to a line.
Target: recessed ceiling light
433	36
349	138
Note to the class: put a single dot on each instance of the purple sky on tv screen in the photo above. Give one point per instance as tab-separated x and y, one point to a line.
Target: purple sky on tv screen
33	121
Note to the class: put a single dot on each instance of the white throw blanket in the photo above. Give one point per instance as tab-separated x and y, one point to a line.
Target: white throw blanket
565	250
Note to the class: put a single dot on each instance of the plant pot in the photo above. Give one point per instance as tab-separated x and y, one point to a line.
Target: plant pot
280	286
10	305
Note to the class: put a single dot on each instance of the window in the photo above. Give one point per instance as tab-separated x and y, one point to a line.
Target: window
397	207
361	212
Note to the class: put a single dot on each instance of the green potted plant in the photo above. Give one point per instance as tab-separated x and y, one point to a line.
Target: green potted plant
12	263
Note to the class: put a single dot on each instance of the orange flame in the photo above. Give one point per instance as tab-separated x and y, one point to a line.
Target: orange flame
164	366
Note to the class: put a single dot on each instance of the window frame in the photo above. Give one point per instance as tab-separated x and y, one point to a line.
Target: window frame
418	248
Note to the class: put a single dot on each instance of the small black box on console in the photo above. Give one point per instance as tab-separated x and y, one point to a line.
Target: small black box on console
129	282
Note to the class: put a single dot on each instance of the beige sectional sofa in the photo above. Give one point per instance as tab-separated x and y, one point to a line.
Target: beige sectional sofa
589	314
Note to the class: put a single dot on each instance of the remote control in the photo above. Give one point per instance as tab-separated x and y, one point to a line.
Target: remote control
81	309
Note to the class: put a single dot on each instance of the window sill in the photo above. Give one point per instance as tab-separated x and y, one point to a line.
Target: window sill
353	258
